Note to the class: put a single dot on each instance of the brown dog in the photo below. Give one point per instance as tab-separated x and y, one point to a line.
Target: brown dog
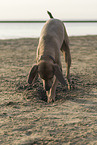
53	38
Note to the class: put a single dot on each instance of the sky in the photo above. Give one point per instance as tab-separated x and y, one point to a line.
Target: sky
36	9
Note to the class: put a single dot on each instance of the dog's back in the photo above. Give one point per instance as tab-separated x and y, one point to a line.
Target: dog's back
51	38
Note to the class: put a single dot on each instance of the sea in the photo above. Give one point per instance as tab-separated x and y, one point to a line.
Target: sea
33	30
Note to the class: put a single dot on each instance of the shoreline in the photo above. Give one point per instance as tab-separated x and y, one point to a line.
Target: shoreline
1	39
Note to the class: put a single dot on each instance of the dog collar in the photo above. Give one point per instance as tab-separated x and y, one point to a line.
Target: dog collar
44	57
49	56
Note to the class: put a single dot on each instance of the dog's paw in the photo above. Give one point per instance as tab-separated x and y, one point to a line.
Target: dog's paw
51	99
71	85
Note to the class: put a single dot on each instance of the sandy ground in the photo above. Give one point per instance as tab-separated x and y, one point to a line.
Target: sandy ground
25	116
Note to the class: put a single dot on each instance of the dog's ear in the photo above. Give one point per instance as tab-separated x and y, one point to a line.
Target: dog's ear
58	74
32	74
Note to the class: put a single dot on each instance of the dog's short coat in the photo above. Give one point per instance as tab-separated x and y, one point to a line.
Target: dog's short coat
53	38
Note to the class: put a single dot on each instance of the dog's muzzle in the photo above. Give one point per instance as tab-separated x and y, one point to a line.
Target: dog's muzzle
47	88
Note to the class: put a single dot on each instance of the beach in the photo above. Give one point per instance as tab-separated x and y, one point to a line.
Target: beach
25	116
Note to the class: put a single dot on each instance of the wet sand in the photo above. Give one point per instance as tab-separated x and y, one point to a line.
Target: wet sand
27	118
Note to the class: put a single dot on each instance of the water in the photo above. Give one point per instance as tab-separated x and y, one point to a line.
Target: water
32	30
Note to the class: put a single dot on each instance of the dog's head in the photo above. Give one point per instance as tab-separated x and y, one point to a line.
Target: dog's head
46	72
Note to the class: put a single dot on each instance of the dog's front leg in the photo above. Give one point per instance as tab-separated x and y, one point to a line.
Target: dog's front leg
49	98
52	92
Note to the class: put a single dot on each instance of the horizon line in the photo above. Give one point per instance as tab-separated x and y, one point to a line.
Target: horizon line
43	21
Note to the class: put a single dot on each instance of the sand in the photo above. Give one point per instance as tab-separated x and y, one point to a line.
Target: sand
25	116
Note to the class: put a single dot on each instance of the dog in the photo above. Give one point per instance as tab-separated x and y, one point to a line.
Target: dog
53	38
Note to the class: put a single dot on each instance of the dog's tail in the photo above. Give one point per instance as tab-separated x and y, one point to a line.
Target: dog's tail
50	15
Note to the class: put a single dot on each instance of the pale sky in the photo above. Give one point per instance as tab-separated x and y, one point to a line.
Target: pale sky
36	9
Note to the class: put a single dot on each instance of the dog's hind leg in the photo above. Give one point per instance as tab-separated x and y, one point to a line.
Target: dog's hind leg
66	53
